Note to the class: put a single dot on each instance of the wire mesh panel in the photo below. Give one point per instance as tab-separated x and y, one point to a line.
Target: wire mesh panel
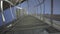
56	14
56	10
47	11
9	14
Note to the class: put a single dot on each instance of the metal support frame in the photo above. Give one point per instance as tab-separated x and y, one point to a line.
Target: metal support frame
28	6
36	9
39	3
3	18
11	12
51	12
44	11
40	8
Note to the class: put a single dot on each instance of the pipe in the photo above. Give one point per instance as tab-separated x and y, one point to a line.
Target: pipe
3	18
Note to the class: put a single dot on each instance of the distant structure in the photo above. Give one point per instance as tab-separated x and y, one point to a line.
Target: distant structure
21	12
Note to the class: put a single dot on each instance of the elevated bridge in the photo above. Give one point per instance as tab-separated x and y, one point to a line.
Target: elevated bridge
29	17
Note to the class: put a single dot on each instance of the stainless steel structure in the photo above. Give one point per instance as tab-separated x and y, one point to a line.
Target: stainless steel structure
31	15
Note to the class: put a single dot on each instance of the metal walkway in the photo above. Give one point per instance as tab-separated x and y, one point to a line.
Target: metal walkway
29	25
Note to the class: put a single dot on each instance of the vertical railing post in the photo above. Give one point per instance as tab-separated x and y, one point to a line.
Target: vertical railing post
51	12
28	7
11	12
40	9
44	11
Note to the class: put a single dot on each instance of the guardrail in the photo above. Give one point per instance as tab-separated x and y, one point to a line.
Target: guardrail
56	24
